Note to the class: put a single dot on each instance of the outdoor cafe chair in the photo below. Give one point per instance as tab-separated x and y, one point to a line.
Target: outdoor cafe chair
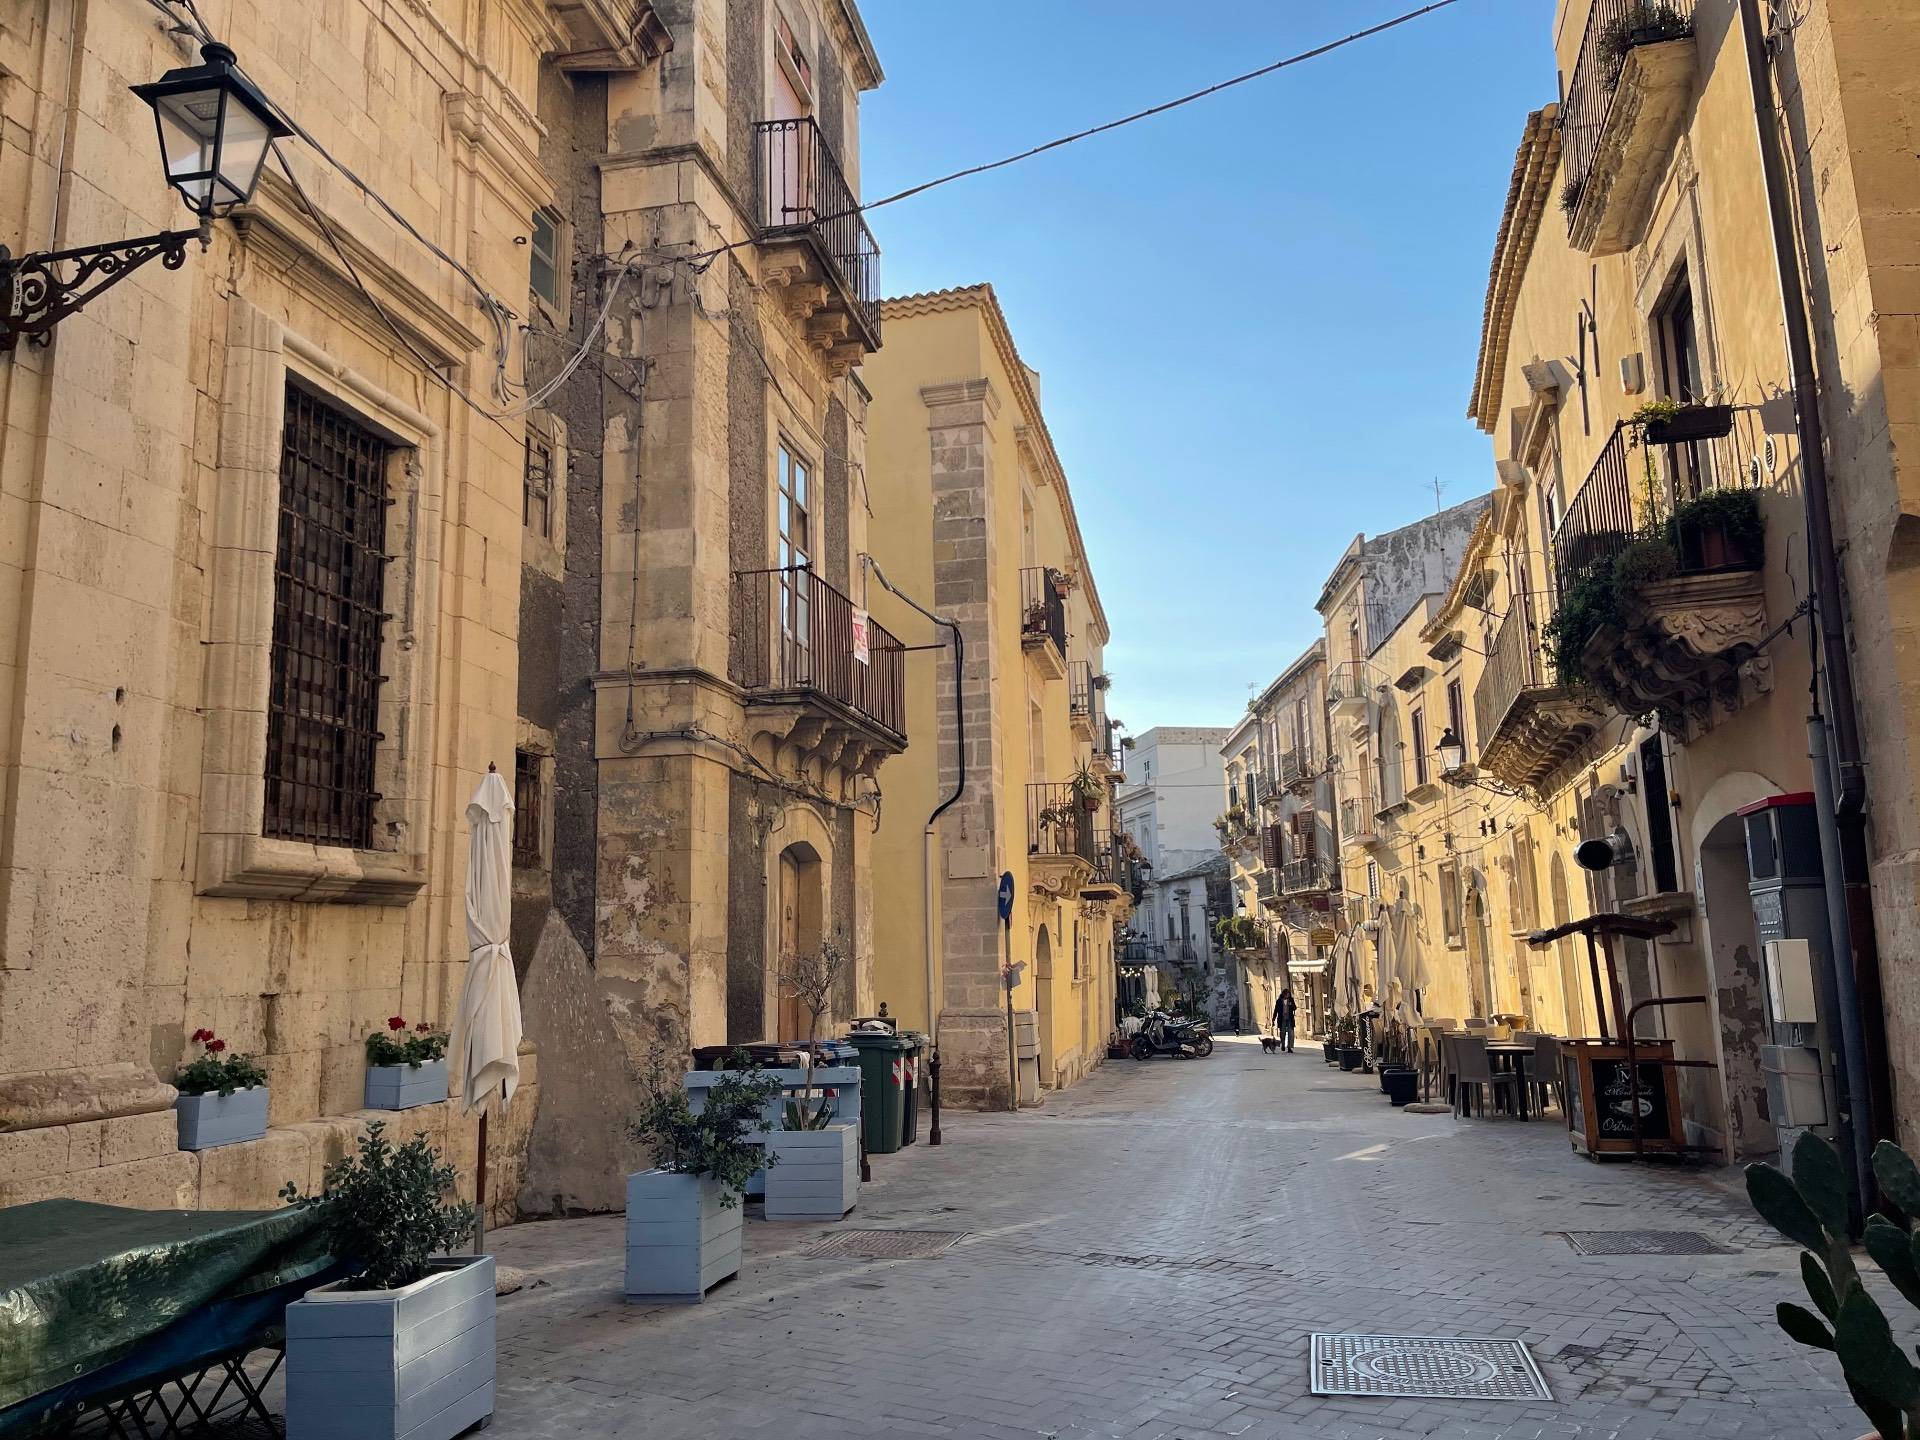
1545	1069
1474	1069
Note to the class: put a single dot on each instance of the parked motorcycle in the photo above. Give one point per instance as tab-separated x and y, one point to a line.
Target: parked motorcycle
1161	1034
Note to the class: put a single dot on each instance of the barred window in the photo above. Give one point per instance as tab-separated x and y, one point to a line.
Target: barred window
329	579
526	809
536	509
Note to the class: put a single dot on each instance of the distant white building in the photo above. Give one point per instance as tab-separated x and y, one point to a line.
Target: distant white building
1168	801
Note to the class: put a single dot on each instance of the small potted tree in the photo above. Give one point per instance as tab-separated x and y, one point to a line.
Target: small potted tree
1346	1039
223	1097
406	1067
683	1216
815	1160
404	1346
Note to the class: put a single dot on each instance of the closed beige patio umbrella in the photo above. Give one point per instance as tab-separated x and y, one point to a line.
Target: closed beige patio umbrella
485	1050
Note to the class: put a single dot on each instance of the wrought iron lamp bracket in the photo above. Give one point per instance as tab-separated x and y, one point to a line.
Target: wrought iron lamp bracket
38	291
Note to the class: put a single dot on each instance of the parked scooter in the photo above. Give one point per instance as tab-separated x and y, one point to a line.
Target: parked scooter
1161	1034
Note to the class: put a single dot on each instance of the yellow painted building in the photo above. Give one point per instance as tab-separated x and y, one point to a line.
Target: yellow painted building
972	518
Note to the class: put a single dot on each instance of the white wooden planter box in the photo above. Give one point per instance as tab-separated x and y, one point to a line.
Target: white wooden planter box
209	1120
842	1080
401	1087
681	1241
816	1175
410	1364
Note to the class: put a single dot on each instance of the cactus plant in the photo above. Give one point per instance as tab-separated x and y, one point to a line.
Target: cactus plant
1810	1208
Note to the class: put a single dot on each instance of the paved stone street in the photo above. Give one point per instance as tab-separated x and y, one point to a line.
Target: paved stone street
1147	1255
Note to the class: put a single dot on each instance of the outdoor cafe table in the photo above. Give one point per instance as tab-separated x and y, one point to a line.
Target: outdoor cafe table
1512	1056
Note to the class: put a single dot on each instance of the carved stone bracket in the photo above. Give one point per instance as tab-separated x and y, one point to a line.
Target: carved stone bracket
1688	648
1545	731
1058	877
818	744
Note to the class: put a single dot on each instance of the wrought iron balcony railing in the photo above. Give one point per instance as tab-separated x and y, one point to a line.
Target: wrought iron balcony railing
1614	29
1513	666
796	634
804	192
1349	681
1043	611
1305	876
1599	520
1059	824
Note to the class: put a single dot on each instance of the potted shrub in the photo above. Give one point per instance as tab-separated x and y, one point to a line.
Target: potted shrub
1399	1080
1719	529
406	1067
1346	1042
223	1097
405	1345
816	1161
1810	1209
683	1216
1087	787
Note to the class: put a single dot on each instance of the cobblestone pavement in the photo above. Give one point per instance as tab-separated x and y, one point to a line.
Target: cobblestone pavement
1146	1255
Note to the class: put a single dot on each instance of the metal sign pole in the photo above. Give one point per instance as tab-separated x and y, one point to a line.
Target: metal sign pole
1011	978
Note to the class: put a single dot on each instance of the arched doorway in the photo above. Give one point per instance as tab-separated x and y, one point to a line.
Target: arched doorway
801	909
1573	985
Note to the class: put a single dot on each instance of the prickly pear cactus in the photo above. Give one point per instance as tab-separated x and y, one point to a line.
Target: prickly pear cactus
1810	1209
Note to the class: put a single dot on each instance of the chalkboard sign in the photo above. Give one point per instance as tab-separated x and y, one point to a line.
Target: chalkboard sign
1614	1101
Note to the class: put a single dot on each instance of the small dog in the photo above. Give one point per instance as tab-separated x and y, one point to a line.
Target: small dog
1269	1043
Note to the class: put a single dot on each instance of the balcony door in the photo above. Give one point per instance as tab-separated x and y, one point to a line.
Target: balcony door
793	557
791	158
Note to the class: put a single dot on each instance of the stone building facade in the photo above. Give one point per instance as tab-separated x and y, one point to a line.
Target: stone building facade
695	714
212	817
973	518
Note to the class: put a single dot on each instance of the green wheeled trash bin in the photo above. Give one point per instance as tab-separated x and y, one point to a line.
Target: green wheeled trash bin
916	1078
883	1087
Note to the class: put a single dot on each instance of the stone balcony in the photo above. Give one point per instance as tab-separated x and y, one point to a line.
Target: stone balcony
817	253
1688	648
608	34
1625	110
1530	731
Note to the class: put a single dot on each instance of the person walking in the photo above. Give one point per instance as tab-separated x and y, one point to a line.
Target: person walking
1284	1010
1236	1017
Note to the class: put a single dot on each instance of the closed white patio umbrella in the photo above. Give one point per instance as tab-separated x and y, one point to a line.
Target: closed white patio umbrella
485	1050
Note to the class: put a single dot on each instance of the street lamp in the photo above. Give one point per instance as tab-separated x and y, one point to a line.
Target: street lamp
1453	755
215	129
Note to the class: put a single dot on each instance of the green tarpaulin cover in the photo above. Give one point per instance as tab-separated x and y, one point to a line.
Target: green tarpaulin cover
84	1287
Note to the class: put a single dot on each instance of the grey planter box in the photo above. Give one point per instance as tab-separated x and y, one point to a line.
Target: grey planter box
210	1120
401	1087
681	1241
386	1364
816	1175
842	1080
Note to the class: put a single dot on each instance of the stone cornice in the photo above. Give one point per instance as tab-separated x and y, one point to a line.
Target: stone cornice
483	125
277	227
982	298
851	31
1534	167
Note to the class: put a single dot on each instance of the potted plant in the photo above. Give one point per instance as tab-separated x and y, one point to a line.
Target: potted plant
1087	787
1346	1041
1810	1209
406	1067
1718	529
683	1216
1034	621
223	1097
1061	581
405	1345
815	1160
1644	23
1399	1079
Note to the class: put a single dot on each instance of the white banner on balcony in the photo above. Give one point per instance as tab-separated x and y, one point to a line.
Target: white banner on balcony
862	647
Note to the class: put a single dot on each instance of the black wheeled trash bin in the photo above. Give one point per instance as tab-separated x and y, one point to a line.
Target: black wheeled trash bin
883	1088
916	1091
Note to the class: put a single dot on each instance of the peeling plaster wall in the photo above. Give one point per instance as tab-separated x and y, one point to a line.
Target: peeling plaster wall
1415	560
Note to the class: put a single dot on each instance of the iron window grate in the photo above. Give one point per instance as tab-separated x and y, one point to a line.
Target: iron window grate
1425	1366
323	704
527	804
885	1244
1644	1242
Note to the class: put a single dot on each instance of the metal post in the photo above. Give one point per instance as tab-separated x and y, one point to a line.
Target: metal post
1836	997
933	1095
1013	1058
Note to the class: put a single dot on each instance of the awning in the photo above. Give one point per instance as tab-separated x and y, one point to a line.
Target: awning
1310	967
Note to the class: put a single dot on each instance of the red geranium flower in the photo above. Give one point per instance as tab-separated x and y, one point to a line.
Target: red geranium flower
200	1035
396	1022
423	1027
214	1047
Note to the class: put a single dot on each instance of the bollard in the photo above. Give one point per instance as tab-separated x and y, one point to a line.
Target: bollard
933	1076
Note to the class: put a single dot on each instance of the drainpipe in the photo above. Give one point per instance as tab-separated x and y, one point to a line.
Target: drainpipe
1836	996
1842	812
927	836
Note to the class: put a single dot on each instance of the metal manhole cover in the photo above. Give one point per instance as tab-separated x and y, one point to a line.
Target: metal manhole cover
1425	1366
885	1244
1643	1242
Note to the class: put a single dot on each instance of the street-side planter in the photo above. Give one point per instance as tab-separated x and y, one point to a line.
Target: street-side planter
402	1349
223	1097
406	1067
210	1120
1402	1086
416	1362
683	1236
1350	1057
1690	422
815	1173
401	1087
1330	1052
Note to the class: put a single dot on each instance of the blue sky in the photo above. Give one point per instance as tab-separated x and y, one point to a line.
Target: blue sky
1255	318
